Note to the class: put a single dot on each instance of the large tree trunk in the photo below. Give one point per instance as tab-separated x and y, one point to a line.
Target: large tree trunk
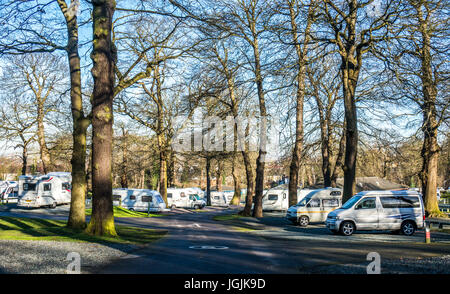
103	57
300	95
351	138
260	161
77	215
430	148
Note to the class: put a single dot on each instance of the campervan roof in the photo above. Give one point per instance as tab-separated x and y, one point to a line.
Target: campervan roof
389	192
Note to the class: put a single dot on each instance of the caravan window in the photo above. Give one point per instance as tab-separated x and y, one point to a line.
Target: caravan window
147	199
272	197
314	203
330	202
29	186
66	186
117	198
47	187
182	194
169	195
216	198
132	197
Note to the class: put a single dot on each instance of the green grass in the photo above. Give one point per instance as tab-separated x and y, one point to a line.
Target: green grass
122	212
227	217
12	228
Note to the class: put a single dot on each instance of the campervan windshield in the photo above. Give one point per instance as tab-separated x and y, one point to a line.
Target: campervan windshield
308	197
351	202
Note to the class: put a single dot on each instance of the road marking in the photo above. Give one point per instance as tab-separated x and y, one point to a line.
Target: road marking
207	247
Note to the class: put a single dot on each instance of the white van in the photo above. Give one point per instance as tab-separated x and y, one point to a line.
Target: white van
315	206
9	191
139	200
184	198
379	210
48	190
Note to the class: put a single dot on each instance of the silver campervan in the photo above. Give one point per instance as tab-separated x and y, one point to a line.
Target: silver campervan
379	210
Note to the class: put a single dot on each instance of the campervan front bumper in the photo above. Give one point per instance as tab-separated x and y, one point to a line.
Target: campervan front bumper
333	224
291	215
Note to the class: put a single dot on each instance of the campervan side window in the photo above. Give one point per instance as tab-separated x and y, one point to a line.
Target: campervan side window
117	197
182	194
314	203
169	195
390	202
29	187
330	202
216	197
47	187
367	203
132	197
66	186
146	198
272	197
408	202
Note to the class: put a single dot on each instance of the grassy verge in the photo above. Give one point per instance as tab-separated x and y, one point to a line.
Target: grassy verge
122	212
12	228
227	217
233	220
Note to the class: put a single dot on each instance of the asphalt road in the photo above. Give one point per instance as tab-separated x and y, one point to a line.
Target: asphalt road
276	247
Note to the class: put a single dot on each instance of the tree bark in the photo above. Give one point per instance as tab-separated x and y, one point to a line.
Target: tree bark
300	95
208	181
103	57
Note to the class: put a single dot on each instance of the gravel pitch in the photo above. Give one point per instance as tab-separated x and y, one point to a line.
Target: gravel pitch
432	265
49	257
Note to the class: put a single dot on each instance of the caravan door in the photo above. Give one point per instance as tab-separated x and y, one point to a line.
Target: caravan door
45	191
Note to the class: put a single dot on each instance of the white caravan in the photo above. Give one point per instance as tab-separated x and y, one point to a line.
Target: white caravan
219	198
315	206
45	190
275	199
9	191
400	210
144	200
184	198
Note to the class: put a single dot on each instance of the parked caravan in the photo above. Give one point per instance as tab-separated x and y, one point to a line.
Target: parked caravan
219	198
45	190
9	191
275	199
184	198
139	200
315	206
400	210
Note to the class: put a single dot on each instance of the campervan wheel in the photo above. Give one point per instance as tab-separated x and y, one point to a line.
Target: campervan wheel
303	221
